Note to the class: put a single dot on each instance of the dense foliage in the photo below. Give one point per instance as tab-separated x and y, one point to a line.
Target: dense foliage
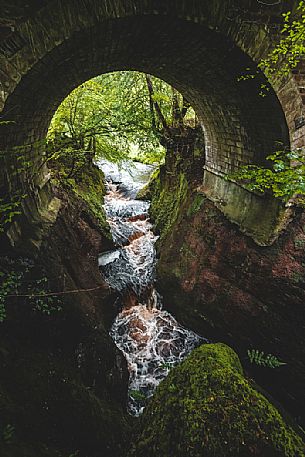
116	116
9	209
16	283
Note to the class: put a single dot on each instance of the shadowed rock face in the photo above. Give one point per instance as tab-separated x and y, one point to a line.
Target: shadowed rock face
63	383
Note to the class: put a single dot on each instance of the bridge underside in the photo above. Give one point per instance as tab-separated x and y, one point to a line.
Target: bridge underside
200	48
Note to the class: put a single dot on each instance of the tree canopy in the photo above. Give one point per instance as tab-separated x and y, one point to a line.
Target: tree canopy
117	116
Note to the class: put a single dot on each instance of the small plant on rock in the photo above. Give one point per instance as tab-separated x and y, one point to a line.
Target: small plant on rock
40	298
264	360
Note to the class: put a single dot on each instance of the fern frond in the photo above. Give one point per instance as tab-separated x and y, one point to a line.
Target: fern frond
260	359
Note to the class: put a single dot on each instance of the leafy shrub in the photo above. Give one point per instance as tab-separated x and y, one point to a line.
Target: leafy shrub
285	178
10	283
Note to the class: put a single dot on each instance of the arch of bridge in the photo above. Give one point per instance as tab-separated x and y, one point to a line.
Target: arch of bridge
200	47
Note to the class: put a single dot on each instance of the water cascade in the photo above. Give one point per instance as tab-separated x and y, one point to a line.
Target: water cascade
150	338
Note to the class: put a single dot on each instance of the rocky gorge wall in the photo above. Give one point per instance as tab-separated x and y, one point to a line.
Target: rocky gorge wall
223	285
63	384
63	387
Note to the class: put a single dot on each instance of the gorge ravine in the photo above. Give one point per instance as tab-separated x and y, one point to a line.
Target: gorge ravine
150	338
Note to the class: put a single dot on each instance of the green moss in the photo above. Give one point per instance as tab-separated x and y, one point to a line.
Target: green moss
92	189
167	202
195	205
147	191
297	277
206	407
89	186
187	253
299	243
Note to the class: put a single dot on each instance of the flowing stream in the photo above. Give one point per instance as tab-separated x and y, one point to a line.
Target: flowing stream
150	338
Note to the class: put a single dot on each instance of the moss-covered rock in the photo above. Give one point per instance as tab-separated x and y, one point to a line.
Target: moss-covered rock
219	282
167	200
90	186
171	188
146	192
206	407
87	185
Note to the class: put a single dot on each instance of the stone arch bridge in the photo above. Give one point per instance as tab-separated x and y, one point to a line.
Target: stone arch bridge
49	47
